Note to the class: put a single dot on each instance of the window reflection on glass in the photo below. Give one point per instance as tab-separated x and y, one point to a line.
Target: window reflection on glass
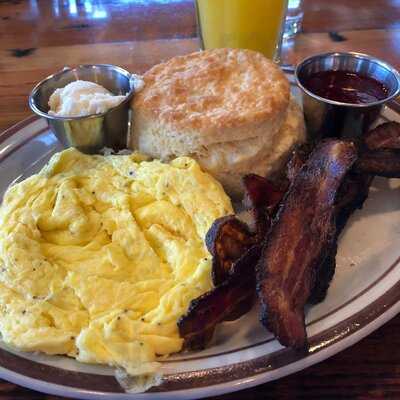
148	2
34	8
88	9
73	9
98	9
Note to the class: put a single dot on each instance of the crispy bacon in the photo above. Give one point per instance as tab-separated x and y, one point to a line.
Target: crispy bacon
380	151
380	162
235	252
262	198
351	196
385	136
227	240
301	237
233	298
261	192
298	158
296	262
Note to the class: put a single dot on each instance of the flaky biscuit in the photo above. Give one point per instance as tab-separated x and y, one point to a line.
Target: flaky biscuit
242	155
208	97
270	161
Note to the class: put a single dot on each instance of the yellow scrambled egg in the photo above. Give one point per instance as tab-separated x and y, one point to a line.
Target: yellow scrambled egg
100	256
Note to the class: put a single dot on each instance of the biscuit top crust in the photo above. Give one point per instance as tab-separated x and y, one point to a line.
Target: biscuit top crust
213	89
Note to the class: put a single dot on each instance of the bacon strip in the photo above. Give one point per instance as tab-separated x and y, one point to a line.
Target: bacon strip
380	151
262	198
300	236
233	298
380	162
298	158
227	240
385	136
260	192
351	196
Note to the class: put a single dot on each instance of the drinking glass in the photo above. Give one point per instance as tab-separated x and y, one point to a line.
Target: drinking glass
248	24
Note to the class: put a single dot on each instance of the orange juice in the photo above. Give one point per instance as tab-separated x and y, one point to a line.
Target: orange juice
248	24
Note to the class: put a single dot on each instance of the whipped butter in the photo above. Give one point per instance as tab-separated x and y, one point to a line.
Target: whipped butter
81	98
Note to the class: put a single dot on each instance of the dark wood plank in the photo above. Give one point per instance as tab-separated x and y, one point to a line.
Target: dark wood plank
32	24
19	74
343	15
381	43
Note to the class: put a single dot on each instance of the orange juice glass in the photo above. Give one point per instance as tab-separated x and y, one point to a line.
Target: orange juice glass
248	24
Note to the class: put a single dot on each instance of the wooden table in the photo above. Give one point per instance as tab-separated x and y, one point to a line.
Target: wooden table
39	37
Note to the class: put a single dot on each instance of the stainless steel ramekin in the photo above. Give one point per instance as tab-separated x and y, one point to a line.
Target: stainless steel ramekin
93	132
325	117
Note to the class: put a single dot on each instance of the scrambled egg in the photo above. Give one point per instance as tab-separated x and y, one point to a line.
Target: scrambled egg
100	256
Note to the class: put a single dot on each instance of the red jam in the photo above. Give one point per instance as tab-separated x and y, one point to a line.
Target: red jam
346	87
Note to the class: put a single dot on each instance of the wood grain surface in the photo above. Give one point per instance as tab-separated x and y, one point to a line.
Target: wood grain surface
39	37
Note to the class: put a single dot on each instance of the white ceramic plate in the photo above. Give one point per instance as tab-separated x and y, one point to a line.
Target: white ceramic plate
365	293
